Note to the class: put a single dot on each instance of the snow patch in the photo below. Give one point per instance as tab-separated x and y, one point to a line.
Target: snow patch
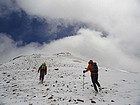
63	85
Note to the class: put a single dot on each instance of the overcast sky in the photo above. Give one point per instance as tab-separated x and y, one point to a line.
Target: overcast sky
119	18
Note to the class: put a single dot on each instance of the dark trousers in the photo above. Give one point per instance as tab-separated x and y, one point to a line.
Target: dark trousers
94	78
42	74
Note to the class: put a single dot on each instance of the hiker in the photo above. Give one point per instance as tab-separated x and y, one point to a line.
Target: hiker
93	68
43	71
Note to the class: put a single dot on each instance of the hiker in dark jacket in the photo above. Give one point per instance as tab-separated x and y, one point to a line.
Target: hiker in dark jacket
93	68
43	71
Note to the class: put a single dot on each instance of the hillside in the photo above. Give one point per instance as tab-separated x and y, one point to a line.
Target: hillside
19	83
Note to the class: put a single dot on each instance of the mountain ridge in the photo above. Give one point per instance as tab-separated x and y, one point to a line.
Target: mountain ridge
63	84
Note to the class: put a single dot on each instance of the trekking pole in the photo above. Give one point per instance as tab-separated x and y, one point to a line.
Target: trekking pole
83	80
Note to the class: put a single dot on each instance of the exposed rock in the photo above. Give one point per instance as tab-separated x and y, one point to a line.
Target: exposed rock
50	97
56	69
112	101
93	101
80	100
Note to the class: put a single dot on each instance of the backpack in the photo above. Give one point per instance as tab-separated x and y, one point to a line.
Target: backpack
43	66
94	68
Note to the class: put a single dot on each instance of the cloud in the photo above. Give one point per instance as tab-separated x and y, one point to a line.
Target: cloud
9	48
120	19
107	12
89	45
7	7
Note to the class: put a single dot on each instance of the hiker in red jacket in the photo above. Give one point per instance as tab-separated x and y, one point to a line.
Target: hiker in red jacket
93	68
43	71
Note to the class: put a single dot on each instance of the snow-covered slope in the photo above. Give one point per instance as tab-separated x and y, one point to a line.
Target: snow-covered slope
19	83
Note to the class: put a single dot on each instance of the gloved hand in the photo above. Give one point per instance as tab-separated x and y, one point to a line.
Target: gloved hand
84	71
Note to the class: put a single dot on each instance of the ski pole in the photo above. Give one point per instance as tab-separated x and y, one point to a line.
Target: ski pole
83	80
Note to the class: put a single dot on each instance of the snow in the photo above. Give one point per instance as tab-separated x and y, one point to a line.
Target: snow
63	85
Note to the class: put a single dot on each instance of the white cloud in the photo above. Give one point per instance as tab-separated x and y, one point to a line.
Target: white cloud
9	49
121	19
90	45
87	43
